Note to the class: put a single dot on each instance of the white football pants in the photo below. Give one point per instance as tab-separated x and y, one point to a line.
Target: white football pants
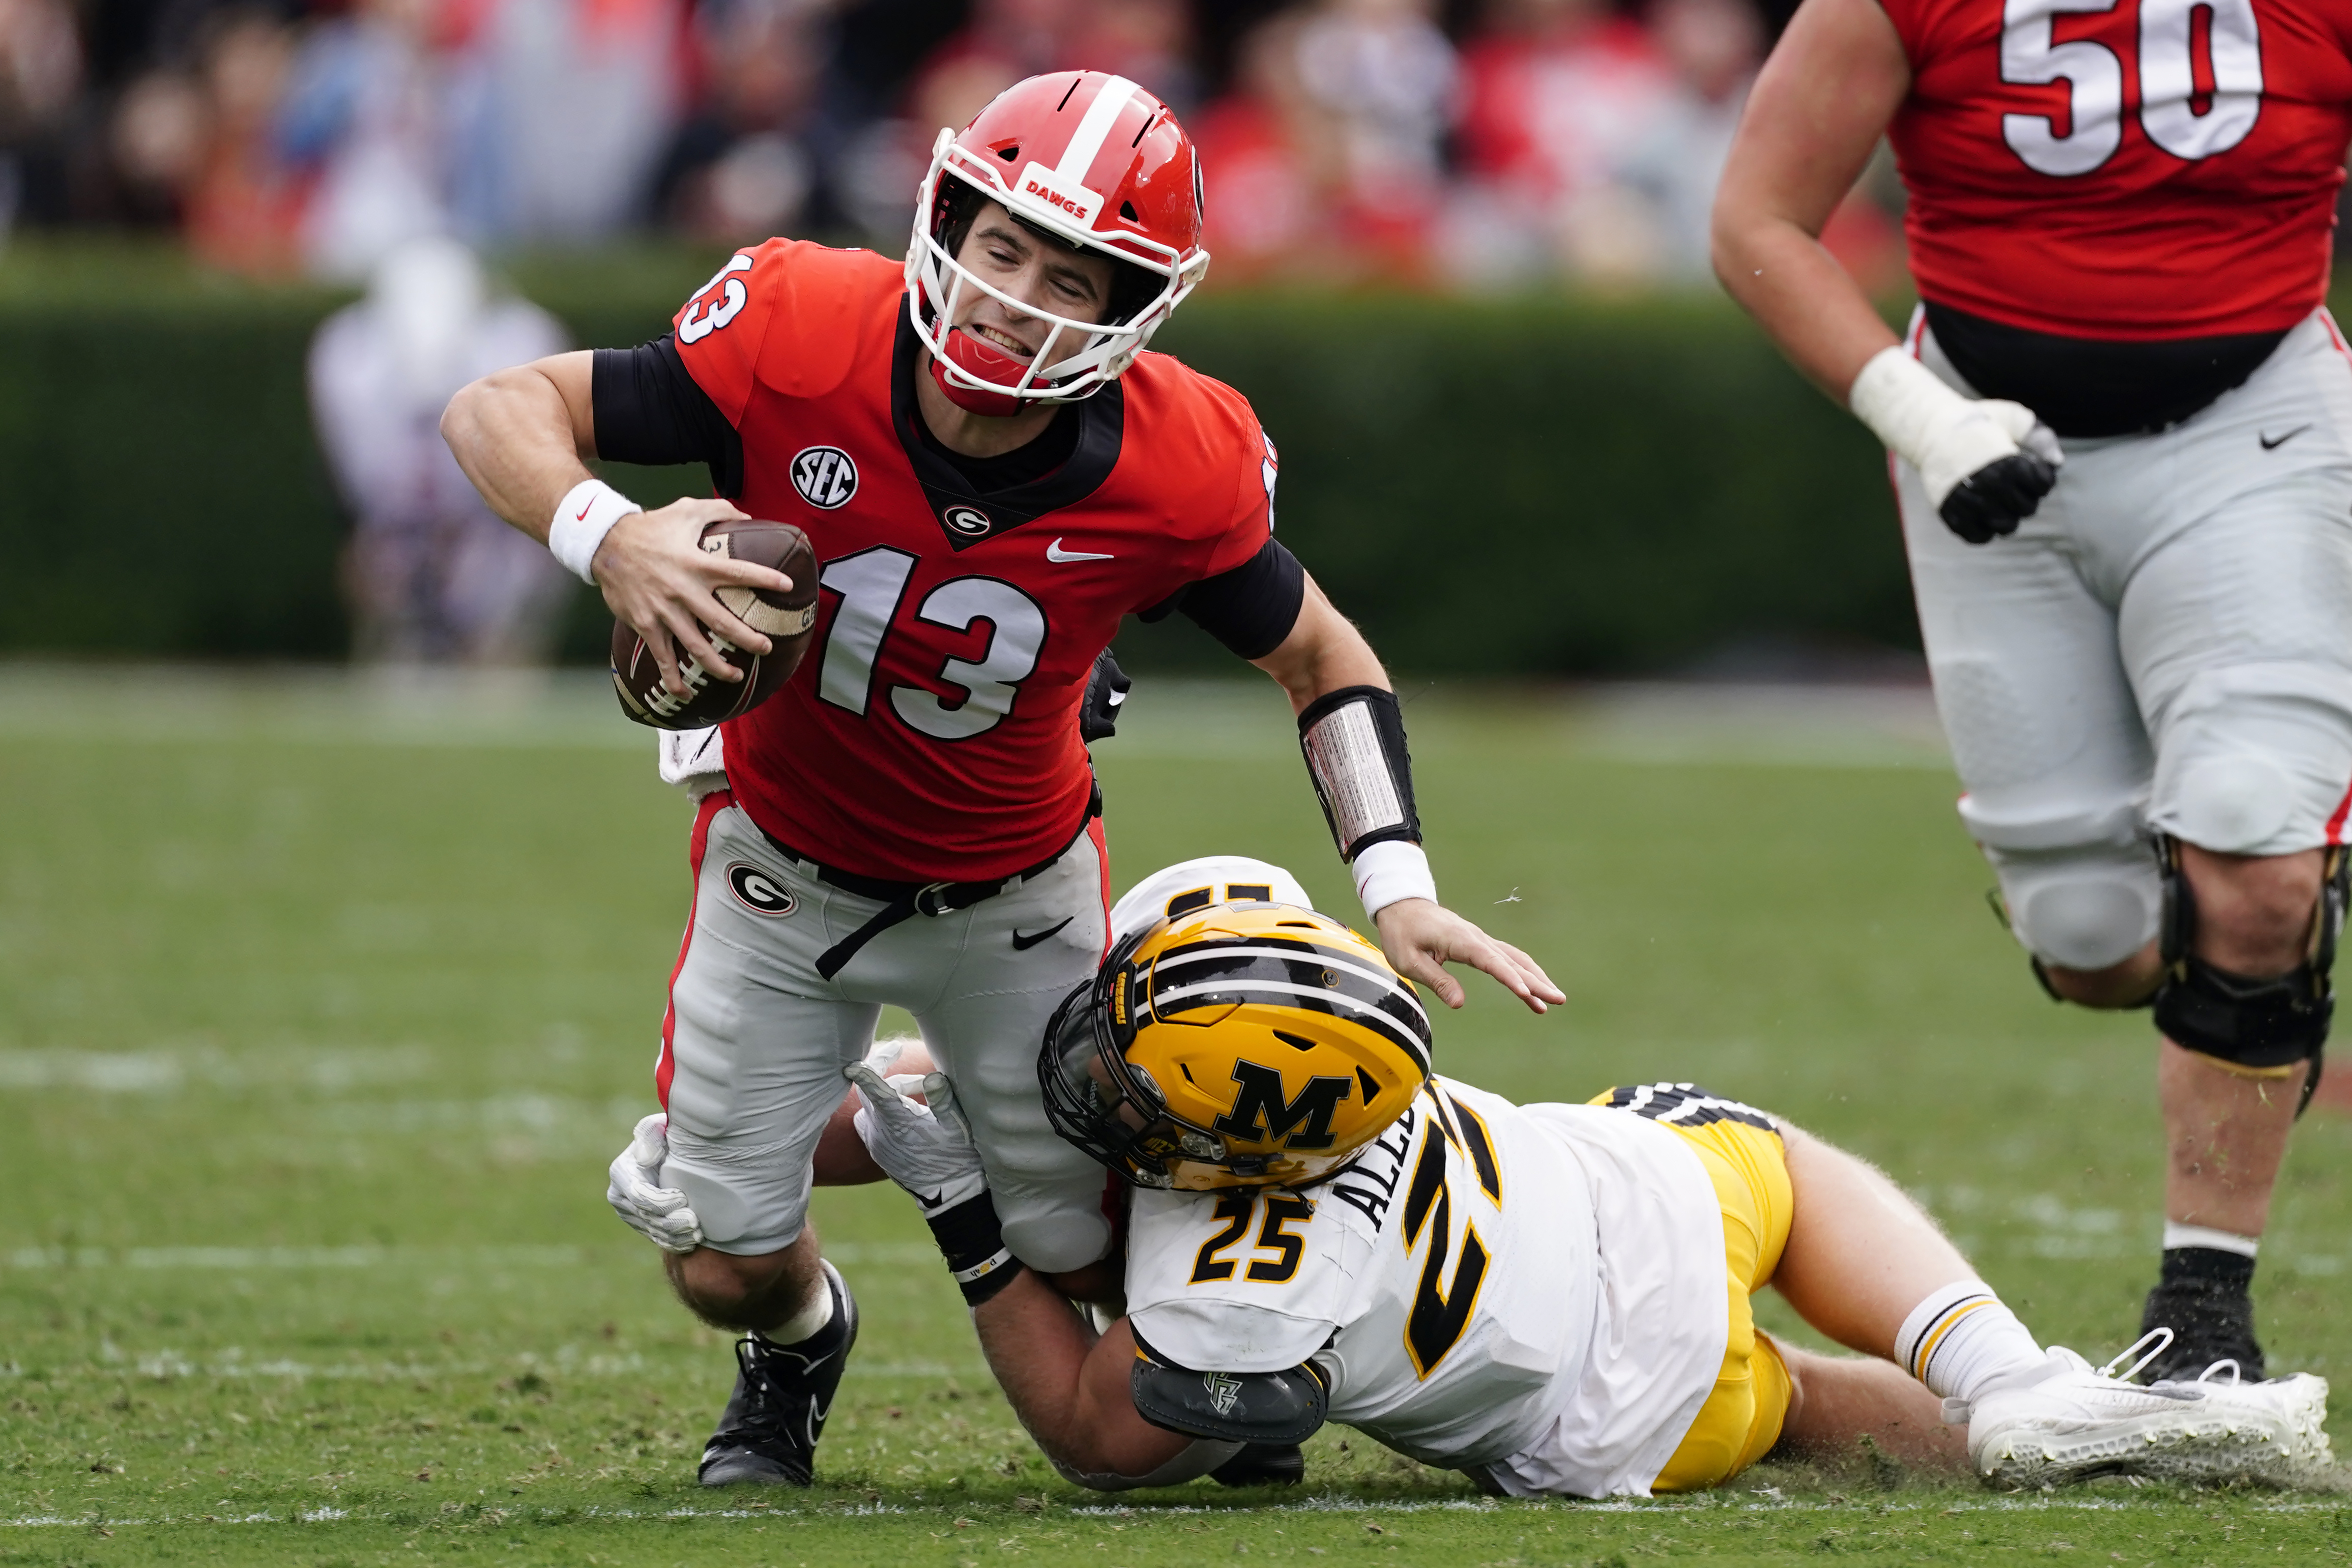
2165	646
755	1040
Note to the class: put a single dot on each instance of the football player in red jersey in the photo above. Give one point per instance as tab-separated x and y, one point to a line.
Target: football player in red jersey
2121	430
994	472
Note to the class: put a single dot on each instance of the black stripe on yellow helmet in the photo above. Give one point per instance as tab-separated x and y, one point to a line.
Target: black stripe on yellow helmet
1237	1045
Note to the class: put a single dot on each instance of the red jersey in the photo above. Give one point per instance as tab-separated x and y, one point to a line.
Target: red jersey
2124	168
931	732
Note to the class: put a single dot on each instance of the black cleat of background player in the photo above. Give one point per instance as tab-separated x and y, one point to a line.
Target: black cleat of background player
2211	1320
767	1435
1263	1464
1993	501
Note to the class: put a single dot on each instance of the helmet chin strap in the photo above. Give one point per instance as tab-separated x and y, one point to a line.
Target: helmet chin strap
977	356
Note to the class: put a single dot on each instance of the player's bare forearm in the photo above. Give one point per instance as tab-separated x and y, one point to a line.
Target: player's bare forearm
520	435
1323	653
1070	1390
1820	105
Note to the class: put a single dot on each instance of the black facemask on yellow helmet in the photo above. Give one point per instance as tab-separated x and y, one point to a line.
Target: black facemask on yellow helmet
1240	1045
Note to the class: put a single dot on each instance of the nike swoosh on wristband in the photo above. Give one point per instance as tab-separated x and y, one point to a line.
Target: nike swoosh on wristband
1024	943
1055	552
2270	445
930	1201
582	515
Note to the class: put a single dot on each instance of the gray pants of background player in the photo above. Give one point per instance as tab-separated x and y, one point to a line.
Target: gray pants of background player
755	1040
2165	646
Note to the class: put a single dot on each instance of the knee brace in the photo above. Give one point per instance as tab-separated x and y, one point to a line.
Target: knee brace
2261	1025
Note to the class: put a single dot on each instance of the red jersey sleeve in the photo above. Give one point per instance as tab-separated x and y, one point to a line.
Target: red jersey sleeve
1237	448
720	330
788	315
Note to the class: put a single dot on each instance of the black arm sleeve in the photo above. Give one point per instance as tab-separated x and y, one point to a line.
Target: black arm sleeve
1251	609
649	410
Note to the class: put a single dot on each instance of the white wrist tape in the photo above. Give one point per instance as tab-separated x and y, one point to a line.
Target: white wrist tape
1944	435
583	518
1391	871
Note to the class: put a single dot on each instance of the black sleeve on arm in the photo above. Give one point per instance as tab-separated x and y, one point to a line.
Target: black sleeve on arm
1251	609
649	410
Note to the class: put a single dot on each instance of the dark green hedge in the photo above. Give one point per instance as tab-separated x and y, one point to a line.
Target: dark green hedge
1528	486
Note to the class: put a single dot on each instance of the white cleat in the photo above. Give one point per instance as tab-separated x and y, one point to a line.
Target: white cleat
2078	1423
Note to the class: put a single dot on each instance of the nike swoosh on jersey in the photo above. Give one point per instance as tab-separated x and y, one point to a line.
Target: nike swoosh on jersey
1024	943
2271	444
1055	552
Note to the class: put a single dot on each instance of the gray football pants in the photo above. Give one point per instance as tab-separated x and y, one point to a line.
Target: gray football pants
755	1040
2165	646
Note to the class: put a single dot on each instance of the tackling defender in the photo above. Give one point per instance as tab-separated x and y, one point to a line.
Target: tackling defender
1553	1298
2122	431
992	473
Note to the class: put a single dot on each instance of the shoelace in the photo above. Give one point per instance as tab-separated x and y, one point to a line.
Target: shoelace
2163	1338
761	1414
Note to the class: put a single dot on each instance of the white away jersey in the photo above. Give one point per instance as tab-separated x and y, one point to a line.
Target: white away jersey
1538	1291
1444	1282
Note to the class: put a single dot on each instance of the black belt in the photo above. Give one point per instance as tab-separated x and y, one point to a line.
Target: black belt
904	901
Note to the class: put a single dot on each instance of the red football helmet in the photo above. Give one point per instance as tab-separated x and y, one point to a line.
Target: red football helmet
1094	160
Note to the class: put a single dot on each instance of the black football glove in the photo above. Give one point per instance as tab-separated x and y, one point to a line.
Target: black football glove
1990	503
1106	688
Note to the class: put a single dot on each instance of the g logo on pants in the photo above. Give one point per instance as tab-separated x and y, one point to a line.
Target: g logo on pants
757	891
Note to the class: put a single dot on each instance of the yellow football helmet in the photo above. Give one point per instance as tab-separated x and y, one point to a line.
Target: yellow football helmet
1236	1045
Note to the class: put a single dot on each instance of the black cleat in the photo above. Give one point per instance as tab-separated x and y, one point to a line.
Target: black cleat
1263	1464
767	1435
2211	1320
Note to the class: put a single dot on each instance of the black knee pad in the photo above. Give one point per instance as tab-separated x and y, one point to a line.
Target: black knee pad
2252	1022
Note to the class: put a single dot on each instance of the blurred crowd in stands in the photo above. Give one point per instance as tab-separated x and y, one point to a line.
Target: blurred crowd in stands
1492	143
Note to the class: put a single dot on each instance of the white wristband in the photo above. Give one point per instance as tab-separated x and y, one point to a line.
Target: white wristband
583	518
1391	871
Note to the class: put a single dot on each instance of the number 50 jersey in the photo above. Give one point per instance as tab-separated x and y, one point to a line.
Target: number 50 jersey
1484	1275
2124	169
931	733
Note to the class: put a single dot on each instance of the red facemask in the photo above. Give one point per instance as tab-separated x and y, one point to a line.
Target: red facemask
978	356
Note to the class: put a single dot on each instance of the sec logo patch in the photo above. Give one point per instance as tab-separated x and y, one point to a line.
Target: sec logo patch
969	520
757	891
825	476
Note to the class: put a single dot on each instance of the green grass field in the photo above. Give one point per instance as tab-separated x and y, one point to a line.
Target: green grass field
322	1006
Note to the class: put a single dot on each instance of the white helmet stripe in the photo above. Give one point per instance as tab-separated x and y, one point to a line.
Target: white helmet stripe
1094	128
1324	955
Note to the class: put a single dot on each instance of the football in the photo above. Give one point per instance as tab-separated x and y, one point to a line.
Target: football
785	618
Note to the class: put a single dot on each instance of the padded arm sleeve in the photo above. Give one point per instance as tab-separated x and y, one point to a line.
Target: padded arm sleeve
1274	1407
1354	743
649	410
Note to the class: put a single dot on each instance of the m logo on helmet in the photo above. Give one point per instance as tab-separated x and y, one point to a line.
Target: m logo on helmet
825	476
1262	1114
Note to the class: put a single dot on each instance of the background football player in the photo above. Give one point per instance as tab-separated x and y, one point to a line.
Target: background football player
992	474
1551	1297
2122	427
